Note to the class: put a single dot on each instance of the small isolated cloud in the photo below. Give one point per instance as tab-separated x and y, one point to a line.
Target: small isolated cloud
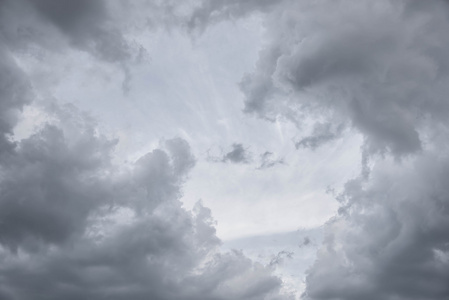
280	257
321	134
238	155
305	242
267	160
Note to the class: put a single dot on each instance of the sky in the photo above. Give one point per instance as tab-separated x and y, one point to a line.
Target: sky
224	149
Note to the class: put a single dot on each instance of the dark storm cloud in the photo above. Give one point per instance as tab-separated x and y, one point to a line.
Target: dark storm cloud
15	92
391	238
76	225
87	25
380	68
364	69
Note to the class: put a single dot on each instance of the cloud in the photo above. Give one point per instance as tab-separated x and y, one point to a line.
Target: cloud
86	25
238	154
15	92
267	161
321	134
363	70
210	12
306	242
75	224
379	70
280	257
390	239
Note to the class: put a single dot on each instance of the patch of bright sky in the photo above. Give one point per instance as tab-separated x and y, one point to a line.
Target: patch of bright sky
190	90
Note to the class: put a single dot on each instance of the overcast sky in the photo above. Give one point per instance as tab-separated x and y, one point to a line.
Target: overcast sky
224	149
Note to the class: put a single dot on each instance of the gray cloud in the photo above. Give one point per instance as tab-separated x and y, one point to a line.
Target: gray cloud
321	134
390	240
87	25
267	161
305	242
76	225
209	12
364	70
238	154
15	92
380	69
280	257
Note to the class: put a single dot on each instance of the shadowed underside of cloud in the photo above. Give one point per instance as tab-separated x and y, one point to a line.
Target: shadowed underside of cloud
73	225
391	239
379	68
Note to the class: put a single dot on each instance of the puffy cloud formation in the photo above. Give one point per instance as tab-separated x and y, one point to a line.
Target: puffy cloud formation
376	67
74	226
73	223
390	240
380	69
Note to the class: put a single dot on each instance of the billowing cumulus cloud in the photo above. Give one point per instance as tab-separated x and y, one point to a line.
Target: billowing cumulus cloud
390	240
15	92
354	65
379	69
75	224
